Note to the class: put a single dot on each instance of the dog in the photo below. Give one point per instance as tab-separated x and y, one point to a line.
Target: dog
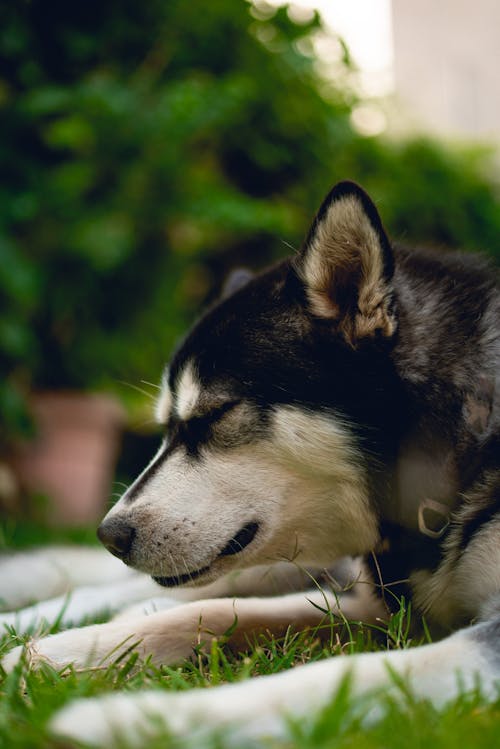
343	404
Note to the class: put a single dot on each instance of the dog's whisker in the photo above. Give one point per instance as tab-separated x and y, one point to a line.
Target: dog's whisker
151	384
187	571
122	484
171	563
148	423
131	385
175	567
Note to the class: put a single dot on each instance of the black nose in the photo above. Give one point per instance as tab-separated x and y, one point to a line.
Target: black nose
116	536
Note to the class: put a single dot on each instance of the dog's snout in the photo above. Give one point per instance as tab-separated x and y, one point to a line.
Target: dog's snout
116	536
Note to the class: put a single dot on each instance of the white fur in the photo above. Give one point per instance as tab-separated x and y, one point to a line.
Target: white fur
259	707
130	595
86	603
169	636
29	576
164	403
330	502
303	485
188	391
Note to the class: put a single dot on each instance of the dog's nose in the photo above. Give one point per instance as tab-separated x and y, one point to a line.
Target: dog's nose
116	536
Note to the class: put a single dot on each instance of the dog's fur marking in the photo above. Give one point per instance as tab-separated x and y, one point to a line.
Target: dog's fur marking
188	391
164	403
318	445
320	448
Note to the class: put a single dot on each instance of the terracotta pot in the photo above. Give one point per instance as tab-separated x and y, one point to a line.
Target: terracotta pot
72	458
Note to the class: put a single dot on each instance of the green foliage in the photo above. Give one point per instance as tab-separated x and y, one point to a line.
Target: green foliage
148	147
17	533
29	699
141	143
427	192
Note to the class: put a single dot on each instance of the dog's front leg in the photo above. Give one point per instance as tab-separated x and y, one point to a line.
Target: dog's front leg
259	707
82	604
41	574
170	636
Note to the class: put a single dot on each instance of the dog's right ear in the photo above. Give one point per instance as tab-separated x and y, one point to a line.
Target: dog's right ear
346	265
235	281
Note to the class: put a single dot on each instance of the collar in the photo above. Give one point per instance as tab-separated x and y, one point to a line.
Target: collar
422	515
433	518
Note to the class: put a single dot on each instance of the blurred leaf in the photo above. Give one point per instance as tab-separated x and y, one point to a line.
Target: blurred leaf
148	147
17	276
72	132
104	241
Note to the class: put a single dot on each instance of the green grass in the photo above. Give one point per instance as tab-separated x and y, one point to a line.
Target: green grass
28	699
35	533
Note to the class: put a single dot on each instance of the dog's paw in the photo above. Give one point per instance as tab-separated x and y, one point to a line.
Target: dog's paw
147	608
92	721
131	718
33	654
240	712
12	658
94	646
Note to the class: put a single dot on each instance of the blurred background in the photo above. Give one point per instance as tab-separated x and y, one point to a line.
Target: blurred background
148	148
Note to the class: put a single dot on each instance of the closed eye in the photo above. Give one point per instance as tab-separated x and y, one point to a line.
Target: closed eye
215	414
196	428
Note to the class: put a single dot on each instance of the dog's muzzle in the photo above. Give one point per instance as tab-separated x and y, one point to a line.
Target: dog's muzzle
235	545
118	537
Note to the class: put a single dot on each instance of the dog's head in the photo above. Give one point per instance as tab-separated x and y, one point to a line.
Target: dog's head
267	409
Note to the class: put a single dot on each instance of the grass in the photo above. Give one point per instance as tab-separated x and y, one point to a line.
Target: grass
29	699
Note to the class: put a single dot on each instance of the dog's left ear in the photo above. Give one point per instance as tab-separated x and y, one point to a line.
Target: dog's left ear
346	265
235	281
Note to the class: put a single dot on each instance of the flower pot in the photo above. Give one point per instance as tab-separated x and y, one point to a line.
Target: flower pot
72	458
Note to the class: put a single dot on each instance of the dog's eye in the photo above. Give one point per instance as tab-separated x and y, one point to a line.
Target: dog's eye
199	424
198	429
216	414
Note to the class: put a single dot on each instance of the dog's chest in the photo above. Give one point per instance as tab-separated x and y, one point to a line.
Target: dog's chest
425	488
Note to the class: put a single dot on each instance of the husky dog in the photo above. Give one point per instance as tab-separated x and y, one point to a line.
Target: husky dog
344	403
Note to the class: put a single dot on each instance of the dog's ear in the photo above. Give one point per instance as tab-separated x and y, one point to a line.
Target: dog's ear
235	281
346	264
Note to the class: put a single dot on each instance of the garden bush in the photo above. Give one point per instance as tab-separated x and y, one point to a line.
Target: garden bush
148	147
